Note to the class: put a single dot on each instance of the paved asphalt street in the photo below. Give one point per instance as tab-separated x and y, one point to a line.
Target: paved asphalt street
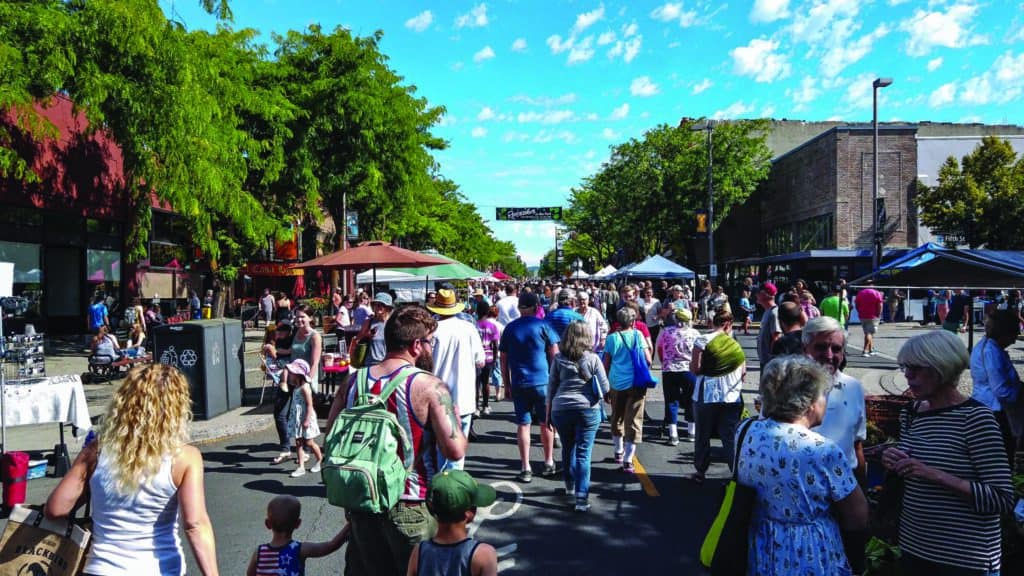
650	523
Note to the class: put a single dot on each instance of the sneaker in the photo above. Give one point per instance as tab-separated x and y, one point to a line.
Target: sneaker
315	469
627	467
476	413
558	441
298	472
281	457
582	506
487	411
549	471
618	457
525	476
673	440
688	438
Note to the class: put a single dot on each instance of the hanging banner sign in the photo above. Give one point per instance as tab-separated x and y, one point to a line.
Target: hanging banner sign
270	269
545	213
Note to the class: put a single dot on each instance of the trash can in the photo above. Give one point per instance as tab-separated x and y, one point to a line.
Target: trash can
197	349
234	362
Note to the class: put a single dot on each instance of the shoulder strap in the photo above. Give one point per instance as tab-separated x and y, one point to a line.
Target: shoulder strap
394	380
739	445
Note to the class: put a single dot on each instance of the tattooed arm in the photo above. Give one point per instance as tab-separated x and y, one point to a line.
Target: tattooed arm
443	417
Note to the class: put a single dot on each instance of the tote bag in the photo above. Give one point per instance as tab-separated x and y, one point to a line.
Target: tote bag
642	377
595	389
31	544
724	551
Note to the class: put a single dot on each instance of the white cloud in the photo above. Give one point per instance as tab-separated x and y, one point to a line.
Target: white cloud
970	119
1002	83
513	136
630	29
606	38
420	22
557	45
567	98
486	113
621	112
609	134
858	91
447	120
934	64
759	59
582	51
769	10
735	110
479	132
942	95
458	66
702	86
949	29
843	51
768	111
643	86
546	117
592	116
485	53
805	94
475	18
587	19
519	45
674	11
897	2
545	136
632	48
814	25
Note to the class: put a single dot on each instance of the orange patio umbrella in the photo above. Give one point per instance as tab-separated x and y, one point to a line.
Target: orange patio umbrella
373	254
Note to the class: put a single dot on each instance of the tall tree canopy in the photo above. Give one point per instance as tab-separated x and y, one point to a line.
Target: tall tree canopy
980	200
644	199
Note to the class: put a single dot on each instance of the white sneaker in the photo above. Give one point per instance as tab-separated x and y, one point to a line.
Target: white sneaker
487	411
298	472
316	468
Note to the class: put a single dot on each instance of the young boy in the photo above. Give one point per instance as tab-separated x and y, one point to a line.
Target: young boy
746	310
284	555
453	499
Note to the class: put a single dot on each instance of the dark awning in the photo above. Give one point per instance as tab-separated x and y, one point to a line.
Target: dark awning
932	266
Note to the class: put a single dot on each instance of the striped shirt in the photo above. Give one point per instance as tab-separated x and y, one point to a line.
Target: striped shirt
964	441
286	560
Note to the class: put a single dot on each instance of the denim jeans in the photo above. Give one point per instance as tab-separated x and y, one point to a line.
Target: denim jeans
711	418
282	402
678	388
578	428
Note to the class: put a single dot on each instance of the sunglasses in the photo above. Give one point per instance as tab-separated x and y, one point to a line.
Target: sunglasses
911	368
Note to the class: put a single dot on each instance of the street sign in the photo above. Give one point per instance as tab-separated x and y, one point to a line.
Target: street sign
559	254
714	271
542	213
702	221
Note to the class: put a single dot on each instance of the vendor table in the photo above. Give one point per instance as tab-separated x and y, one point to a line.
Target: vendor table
59	399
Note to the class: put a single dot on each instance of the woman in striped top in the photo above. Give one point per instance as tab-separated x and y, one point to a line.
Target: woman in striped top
951	456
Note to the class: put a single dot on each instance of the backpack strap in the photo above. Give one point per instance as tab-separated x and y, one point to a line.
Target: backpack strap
363	385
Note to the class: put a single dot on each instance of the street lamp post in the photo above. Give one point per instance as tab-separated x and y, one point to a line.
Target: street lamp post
709	127
876	234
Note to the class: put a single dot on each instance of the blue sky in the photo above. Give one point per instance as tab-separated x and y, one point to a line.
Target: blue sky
537	91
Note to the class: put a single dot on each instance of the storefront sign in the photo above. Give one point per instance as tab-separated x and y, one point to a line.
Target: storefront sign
271	269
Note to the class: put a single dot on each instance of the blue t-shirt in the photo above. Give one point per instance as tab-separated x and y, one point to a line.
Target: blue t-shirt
97	313
561	318
525	341
618	347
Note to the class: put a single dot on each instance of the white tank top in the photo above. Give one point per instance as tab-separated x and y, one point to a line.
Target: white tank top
138	533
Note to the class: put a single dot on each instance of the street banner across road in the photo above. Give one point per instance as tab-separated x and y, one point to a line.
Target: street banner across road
543	213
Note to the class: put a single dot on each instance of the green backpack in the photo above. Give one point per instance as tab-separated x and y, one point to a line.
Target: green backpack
721	356
363	469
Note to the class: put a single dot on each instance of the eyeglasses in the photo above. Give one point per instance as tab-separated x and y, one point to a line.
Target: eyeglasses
425	341
911	368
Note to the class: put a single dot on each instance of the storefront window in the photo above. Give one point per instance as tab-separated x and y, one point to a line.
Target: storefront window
816	233
28	274
103	272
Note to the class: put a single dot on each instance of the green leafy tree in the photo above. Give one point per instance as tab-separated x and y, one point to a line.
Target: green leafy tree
644	199
980	198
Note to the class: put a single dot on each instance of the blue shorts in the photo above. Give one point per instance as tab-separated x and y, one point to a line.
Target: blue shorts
530	400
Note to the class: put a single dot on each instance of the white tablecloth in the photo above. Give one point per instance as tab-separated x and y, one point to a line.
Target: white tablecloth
43	400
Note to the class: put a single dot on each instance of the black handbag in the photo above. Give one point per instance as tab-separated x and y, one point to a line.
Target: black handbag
724	551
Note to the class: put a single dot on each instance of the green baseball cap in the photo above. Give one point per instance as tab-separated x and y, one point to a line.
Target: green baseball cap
455	491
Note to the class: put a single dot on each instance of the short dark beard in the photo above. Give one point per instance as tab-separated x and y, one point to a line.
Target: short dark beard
425	361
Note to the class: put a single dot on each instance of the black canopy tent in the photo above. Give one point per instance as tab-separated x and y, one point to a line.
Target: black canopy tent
934	267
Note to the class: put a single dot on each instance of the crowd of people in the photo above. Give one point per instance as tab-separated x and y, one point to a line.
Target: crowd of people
564	355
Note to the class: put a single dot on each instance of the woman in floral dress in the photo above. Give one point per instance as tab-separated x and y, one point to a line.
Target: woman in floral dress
801	477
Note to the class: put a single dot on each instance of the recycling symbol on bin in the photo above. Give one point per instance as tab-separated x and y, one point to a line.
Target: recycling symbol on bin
215	353
189	358
169	357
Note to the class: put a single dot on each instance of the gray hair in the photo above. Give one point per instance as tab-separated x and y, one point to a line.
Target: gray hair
578	338
626	316
790	385
821	325
940	350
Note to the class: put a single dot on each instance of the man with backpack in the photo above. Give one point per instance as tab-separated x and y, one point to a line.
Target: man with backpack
400	404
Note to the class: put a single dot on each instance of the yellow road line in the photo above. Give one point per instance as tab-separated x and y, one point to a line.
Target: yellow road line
645	480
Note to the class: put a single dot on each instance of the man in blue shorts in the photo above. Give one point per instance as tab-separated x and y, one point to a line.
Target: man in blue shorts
528	346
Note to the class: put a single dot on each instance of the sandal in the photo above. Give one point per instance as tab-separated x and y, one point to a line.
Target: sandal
281	457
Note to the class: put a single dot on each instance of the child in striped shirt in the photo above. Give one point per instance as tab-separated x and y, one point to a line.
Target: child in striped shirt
283	555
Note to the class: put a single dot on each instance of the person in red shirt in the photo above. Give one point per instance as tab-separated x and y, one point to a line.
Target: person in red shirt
869	308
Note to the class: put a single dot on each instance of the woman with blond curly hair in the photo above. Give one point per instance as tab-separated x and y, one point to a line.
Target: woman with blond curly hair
142	476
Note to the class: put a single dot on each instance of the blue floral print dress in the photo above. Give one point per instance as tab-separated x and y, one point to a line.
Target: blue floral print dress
798	475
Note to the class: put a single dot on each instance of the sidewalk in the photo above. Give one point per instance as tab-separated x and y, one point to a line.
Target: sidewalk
69	356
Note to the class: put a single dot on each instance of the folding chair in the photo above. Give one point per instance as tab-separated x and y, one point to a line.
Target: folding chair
271	374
